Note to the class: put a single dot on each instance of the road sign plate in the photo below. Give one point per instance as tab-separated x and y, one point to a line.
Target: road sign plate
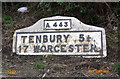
60	43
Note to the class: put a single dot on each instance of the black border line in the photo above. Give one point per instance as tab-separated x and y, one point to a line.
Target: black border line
101	54
57	20
102	43
16	43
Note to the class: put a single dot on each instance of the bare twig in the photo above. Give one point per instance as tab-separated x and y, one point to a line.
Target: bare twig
85	74
45	73
108	6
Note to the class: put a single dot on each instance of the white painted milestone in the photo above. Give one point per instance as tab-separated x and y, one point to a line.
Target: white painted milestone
60	35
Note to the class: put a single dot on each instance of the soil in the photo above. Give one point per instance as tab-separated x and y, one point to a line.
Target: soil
58	66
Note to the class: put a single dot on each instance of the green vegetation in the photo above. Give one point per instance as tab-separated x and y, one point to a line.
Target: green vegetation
116	67
40	65
83	9
6	18
36	15
113	37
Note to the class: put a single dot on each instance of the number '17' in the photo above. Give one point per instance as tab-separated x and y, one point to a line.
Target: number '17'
24	47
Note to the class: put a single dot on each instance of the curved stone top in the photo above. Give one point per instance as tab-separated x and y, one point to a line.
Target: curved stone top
75	24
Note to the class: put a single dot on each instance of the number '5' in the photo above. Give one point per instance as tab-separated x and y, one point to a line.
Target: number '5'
81	37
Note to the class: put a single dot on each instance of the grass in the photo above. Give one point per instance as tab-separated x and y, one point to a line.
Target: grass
36	15
116	67
113	37
40	65
6	18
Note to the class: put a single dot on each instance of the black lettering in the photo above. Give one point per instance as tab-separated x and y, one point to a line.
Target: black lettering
45	38
66	37
78	49
55	24
96	50
66	24
25	48
50	48
23	38
19	49
52	39
59	38
47	25
85	48
81	37
63	48
43	48
36	48
31	40
55	48
70	48
38	39
88	38
60	24
92	48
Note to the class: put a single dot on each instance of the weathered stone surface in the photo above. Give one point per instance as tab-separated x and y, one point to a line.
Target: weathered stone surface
71	38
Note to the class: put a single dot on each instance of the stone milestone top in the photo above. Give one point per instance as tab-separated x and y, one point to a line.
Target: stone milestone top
60	35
